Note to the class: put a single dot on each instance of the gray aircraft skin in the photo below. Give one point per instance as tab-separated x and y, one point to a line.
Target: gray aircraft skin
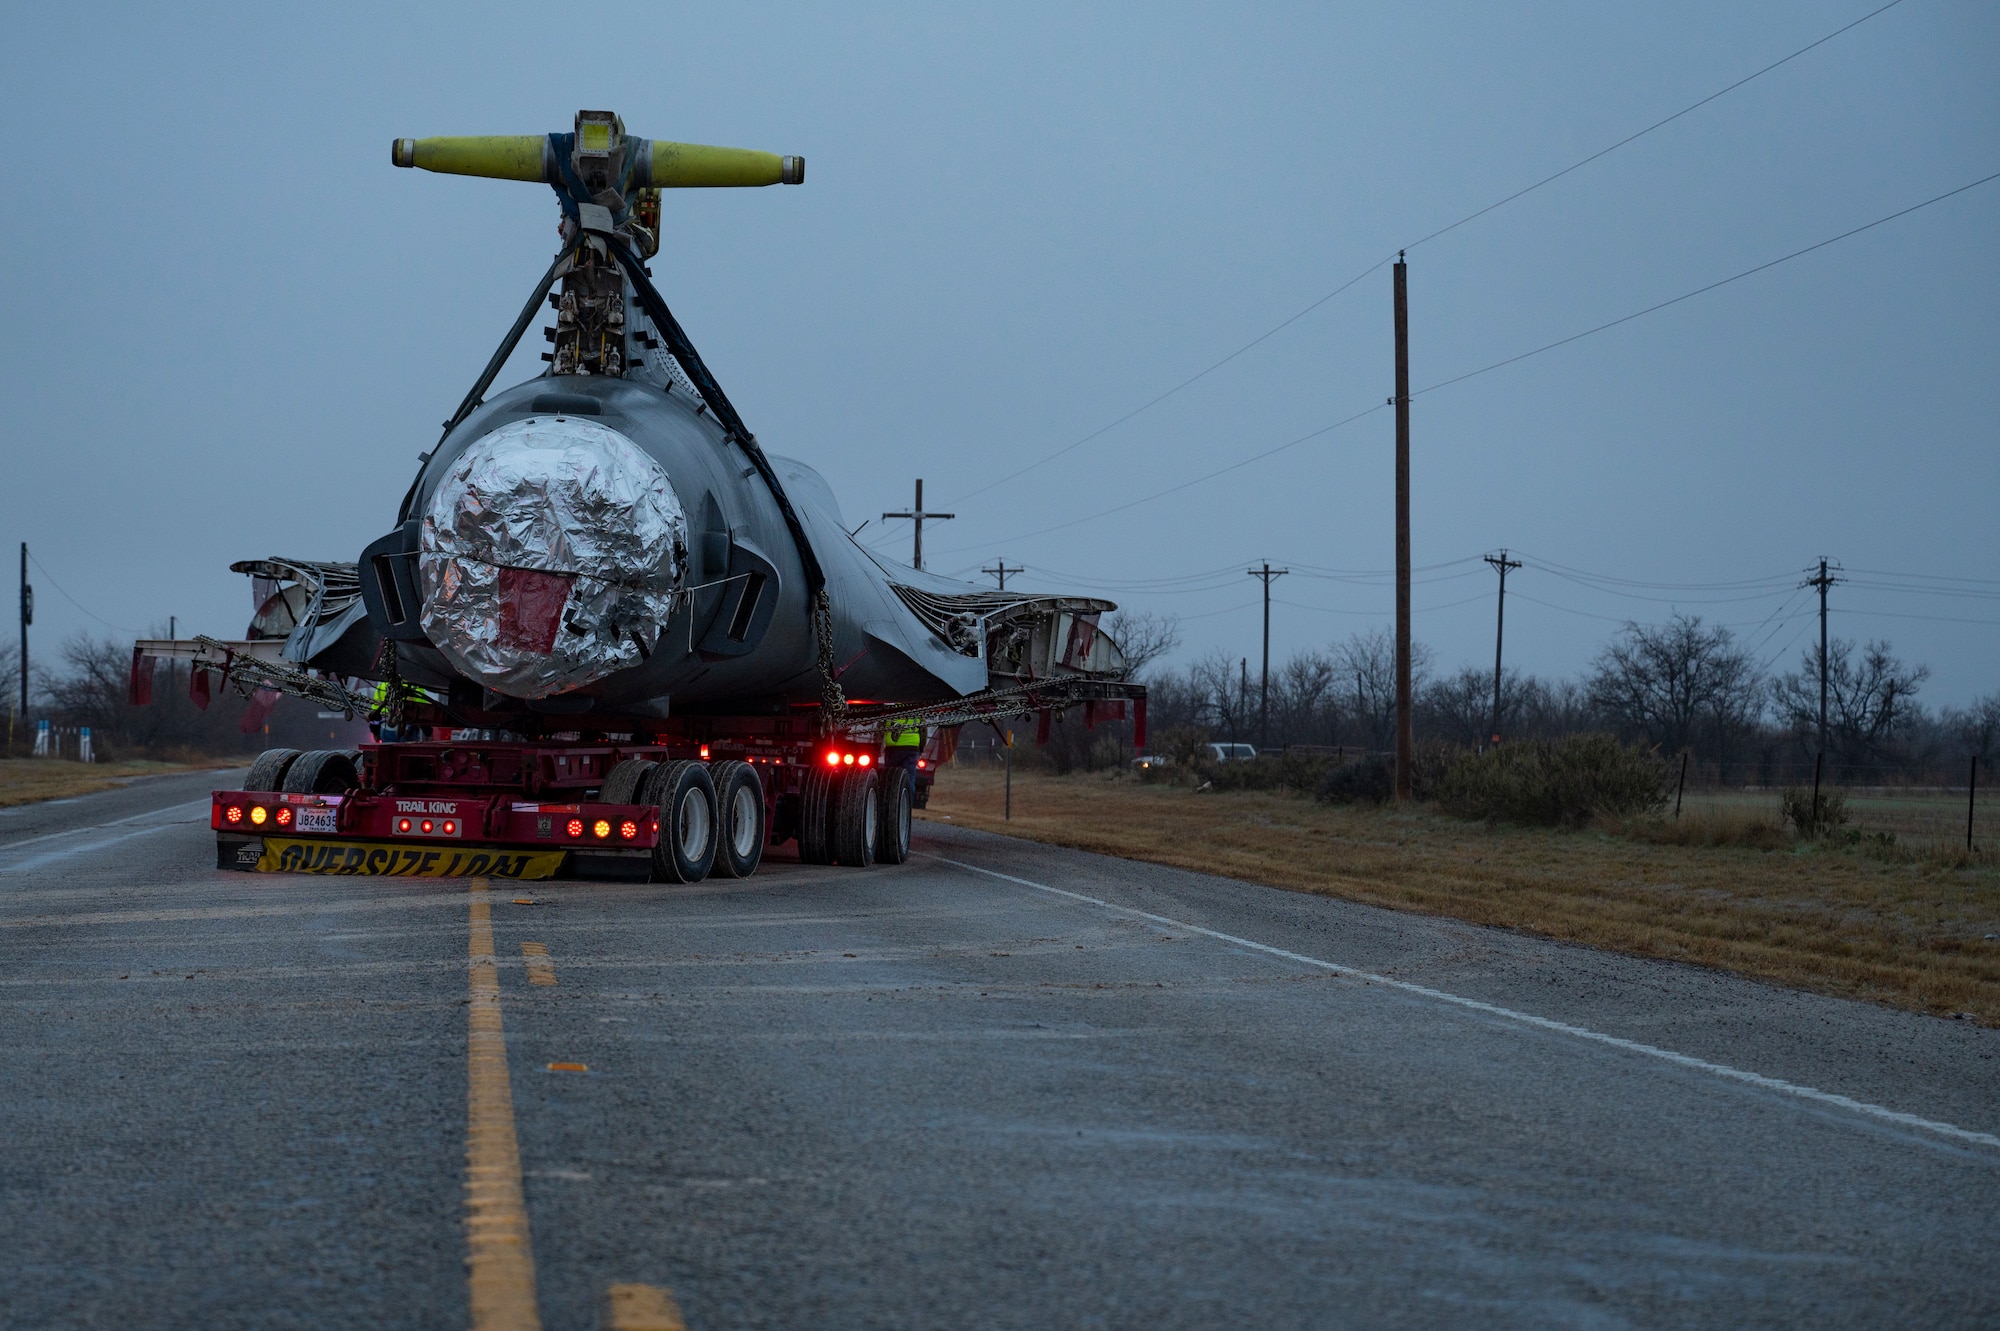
735	529
725	607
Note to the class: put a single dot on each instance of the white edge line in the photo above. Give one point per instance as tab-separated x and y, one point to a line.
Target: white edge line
6	846
1895	1116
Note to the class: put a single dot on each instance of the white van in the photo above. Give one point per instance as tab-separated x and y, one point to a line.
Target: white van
1233	753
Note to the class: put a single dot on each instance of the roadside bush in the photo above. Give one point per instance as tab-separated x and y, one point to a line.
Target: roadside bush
1370	781
1278	771
1560	783
1802	817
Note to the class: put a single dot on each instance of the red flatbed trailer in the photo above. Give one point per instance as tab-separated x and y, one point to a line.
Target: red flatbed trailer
709	798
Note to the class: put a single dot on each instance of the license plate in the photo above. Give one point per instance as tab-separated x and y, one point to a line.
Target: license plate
318	820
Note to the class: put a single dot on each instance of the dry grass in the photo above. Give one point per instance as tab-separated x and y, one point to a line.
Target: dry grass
27	780
1907	933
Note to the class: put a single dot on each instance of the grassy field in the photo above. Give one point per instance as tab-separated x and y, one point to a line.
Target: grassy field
27	780
1859	921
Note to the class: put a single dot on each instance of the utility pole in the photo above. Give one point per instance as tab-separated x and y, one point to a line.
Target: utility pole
1000	571
173	628
1266	573
1242	698
27	618
918	515
1501	563
1822	581
1405	742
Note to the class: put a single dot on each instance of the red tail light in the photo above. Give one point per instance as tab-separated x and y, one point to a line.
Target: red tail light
233	814
921	764
865	759
832	759
574	827
704	753
628	829
284	816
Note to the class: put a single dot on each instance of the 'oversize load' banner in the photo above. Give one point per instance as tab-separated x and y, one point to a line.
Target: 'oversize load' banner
286	855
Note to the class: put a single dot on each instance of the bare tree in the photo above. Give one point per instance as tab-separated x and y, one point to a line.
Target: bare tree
1367	668
1975	731
1677	684
1144	636
1871	698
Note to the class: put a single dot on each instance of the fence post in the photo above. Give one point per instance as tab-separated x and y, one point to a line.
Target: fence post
1681	789
1971	795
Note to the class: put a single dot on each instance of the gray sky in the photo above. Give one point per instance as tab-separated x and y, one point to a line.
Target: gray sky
232	336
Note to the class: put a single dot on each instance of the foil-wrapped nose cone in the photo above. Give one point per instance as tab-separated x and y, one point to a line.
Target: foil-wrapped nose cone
550	555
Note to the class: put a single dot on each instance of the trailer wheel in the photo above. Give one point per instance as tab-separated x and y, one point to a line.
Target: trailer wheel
892	841
321	772
686	797
625	780
739	804
268	772
816	816
857	817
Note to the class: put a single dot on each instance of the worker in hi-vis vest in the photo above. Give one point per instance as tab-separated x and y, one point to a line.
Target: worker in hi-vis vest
902	741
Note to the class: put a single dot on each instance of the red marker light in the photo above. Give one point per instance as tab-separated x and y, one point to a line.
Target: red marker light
704	753
402	824
284	816
865	760
575	827
450	827
425	827
832	759
847	758
921	764
601	829
628	829
233	814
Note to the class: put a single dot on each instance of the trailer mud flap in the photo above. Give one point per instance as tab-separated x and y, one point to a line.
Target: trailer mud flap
291	855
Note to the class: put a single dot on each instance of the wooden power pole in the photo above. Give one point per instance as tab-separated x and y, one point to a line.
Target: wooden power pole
1822	581
1502	564
1405	742
918	515
1266	573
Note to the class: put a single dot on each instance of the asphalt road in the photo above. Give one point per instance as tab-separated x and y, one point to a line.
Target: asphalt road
1002	1086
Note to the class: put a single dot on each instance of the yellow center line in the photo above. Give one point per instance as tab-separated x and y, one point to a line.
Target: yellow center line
540	969
499	1256
644	1308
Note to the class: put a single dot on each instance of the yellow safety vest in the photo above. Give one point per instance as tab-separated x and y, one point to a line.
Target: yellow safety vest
902	735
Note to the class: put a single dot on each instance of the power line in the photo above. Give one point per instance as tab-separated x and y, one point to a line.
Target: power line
1279	327
1511	360
122	628
1702	291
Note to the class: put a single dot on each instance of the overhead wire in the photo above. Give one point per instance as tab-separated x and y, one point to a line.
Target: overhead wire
122	628
1523	192
1499	364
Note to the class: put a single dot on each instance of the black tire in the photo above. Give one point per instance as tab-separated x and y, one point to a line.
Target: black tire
739	810
625	780
892	840
321	772
857	817
268	772
686	798
816	816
